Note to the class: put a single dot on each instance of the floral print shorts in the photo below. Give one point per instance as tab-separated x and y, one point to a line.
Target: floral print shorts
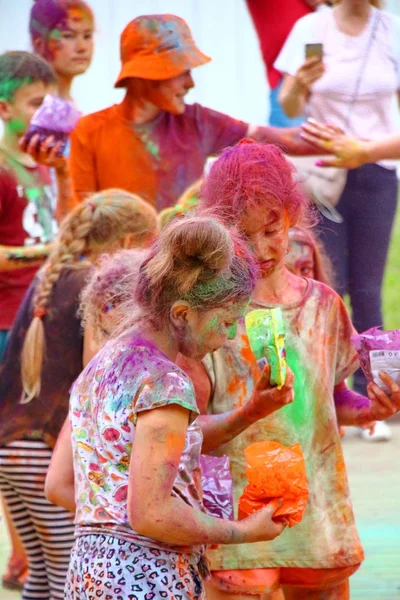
108	568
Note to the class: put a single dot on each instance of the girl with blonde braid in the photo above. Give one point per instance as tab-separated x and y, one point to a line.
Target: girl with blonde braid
43	357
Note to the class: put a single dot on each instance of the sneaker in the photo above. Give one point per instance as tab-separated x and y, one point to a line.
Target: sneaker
381	433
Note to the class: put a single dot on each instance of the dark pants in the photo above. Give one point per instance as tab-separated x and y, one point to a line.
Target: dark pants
358	247
3	342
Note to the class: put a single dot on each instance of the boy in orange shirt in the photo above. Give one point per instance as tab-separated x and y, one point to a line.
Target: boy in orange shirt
153	144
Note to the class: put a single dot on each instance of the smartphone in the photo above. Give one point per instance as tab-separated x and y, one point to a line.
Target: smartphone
315	50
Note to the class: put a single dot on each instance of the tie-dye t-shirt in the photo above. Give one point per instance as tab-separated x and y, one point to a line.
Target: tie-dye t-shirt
157	160
320	354
128	376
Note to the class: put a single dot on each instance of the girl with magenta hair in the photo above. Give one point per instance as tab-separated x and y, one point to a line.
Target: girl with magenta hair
252	186
61	31
127	462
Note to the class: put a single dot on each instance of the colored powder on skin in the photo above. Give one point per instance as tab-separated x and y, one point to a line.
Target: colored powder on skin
348	398
174	443
213	324
10	86
15	126
55	34
246	351
298	250
77	15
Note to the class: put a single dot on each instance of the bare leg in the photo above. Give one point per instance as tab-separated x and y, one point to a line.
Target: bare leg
277	595
213	593
16	570
339	592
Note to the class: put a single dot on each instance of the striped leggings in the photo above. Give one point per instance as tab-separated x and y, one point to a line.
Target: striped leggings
47	531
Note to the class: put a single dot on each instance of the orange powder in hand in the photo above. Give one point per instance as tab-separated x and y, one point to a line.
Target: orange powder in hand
275	471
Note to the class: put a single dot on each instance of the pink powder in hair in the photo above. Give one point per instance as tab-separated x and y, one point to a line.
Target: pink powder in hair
250	176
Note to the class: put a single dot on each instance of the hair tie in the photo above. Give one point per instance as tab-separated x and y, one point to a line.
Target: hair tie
91	205
39	312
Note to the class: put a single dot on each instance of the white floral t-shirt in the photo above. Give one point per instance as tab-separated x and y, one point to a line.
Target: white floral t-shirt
128	376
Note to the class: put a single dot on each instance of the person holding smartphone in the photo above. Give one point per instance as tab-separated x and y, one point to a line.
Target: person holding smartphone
273	25
351	83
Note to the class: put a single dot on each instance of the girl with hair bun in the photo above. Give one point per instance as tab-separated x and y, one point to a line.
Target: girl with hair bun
128	460
44	356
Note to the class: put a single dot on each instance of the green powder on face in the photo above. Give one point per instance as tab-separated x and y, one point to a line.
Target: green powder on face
55	34
10	86
213	324
15	126
232	332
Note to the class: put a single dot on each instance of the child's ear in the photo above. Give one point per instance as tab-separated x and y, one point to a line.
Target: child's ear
5	110
179	314
39	45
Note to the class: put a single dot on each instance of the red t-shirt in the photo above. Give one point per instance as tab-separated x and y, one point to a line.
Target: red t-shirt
157	160
273	20
22	223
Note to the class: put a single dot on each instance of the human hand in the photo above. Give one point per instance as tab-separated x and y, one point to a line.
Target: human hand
370	427
46	153
267	398
349	152
309	72
382	405
260	526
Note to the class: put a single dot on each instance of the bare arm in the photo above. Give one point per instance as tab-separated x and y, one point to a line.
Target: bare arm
295	90
349	152
65	198
59	487
30	256
288	139
154	512
220	429
47	154
355	409
293	96
388	148
266	399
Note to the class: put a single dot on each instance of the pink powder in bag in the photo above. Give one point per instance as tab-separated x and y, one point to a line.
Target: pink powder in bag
217	485
56	117
379	351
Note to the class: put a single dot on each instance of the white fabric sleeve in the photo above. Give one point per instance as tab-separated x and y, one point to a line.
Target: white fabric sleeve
292	55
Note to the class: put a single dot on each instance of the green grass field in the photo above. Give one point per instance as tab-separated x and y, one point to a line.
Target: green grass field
391	289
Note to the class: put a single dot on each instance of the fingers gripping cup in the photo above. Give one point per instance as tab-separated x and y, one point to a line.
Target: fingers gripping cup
275	471
266	332
55	117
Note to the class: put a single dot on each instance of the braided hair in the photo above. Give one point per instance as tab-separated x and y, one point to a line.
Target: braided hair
91	228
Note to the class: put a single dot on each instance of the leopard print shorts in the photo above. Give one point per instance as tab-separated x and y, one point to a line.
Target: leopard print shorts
108	568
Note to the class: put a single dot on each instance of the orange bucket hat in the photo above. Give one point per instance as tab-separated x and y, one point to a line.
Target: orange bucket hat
158	47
